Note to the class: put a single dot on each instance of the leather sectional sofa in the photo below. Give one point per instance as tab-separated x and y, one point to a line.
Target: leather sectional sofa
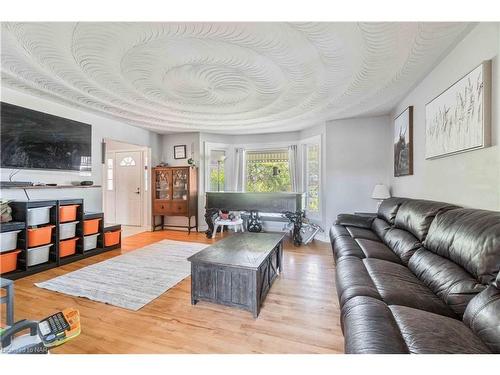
420	277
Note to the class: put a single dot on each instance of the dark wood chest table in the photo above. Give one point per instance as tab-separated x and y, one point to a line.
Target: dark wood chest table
237	271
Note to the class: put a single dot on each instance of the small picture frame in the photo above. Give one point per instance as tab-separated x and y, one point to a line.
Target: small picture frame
180	152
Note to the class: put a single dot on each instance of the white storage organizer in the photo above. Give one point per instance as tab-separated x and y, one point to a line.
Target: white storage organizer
39	215
90	242
38	255
67	230
8	240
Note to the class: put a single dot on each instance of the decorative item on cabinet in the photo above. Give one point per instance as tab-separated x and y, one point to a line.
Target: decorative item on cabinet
175	193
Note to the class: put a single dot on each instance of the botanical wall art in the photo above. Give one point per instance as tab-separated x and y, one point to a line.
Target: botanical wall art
403	143
458	119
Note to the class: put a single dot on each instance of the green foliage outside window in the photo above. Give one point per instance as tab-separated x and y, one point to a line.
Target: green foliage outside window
260	177
313	178
214	176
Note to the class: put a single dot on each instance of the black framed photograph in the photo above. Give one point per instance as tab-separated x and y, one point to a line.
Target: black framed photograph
180	152
403	143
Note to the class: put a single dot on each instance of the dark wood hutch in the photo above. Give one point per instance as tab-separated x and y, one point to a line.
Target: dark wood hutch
175	193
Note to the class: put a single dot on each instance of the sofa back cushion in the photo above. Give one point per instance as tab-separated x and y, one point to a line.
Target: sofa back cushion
416	216
403	243
470	238
483	317
389	208
380	227
450	282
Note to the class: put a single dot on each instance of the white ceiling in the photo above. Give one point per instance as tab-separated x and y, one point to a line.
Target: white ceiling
223	77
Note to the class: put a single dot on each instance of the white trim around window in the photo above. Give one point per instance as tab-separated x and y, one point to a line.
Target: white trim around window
305	143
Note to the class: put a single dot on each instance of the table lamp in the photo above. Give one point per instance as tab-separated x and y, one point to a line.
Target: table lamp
380	192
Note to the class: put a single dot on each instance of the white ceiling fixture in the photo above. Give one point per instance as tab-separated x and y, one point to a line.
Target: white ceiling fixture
223	77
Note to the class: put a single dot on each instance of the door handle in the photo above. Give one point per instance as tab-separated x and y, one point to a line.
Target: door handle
138	191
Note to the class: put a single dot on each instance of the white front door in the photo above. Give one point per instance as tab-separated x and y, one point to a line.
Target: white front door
129	200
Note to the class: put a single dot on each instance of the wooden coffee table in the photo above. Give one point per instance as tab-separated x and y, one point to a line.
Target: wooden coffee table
237	271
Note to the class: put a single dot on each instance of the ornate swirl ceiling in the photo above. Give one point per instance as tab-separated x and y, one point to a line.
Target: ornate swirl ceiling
223	77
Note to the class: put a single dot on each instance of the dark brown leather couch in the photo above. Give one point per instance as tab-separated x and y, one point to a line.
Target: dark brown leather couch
421	277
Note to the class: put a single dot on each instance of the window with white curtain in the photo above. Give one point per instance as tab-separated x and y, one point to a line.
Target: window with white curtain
312	176
216	170
267	170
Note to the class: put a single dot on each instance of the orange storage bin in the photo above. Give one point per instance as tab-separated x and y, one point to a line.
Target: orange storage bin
8	261
91	226
67	247
112	238
40	236
67	213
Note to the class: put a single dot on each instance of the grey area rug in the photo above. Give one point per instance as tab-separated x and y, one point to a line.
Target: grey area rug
131	280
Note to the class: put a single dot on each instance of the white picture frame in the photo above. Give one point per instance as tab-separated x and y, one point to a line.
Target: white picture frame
459	119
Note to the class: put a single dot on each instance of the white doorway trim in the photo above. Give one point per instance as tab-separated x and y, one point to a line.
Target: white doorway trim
145	180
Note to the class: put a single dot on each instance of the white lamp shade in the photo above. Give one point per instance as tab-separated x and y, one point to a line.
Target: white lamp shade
380	191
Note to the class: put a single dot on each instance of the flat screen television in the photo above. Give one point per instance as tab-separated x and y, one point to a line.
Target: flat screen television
37	140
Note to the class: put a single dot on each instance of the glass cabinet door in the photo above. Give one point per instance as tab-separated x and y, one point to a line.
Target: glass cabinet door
180	183
162	184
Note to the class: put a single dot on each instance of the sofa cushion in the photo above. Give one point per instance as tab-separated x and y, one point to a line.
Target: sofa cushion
428	333
470	238
356	232
398	286
389	208
483	317
352	280
370	328
380	227
355	220
346	246
402	243
376	249
455	286
416	216
337	231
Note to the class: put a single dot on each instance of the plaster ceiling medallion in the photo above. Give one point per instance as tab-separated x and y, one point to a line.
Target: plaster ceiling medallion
223	77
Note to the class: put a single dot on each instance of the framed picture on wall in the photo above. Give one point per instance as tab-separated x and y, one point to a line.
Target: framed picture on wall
458	119
403	143
180	152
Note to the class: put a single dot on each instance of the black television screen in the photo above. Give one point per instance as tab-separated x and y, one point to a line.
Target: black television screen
37	140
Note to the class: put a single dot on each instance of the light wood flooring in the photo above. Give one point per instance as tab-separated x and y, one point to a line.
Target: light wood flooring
299	315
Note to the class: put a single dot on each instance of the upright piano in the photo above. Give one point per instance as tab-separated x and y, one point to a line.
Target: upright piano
262	202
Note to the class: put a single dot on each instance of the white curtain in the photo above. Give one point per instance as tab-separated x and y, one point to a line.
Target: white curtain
292	164
239	164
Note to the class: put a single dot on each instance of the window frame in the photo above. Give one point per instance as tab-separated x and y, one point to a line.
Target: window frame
112	170
209	147
262	150
315	140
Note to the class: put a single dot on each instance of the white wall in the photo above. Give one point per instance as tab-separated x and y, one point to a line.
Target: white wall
471	178
101	128
357	154
168	141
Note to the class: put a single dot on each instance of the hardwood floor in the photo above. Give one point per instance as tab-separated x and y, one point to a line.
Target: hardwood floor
299	315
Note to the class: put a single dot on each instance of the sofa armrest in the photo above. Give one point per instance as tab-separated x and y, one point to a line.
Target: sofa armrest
355	220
